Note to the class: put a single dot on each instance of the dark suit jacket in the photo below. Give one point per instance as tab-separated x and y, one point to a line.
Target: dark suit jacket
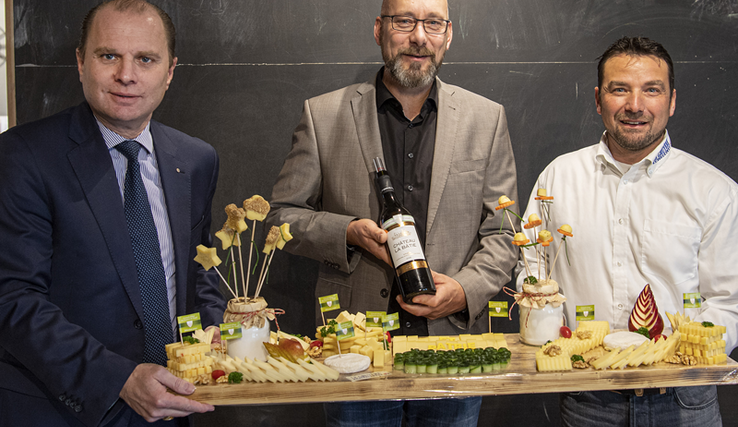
70	308
328	180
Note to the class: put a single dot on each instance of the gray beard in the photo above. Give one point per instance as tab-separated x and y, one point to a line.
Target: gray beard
414	76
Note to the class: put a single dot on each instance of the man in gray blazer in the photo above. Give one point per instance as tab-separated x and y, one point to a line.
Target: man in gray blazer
448	153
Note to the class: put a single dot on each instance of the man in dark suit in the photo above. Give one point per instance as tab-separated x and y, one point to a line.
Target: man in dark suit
75	316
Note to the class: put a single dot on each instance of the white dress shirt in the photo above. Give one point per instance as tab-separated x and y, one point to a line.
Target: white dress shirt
670	220
155	192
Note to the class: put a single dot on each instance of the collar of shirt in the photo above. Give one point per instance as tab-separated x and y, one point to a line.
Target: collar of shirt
651	163
112	138
386	100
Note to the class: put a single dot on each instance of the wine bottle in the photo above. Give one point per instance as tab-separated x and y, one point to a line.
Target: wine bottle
404	247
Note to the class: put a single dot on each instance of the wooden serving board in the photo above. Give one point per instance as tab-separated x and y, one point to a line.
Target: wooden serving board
520	377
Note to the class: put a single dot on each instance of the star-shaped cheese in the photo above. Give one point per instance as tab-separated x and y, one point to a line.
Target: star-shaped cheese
228	237
284	235
207	257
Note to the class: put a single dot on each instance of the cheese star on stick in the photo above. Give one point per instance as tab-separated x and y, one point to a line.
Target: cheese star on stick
228	237
256	210
284	235
208	258
236	223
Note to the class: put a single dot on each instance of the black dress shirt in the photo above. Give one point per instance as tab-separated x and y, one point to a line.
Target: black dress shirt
408	155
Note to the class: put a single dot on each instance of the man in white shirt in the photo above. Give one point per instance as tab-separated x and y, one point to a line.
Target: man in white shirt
642	212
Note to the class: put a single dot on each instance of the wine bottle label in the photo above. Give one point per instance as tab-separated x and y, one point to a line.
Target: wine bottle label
402	241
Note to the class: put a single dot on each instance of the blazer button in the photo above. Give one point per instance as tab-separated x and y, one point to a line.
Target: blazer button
69	402
384	293
78	408
138	324
62	397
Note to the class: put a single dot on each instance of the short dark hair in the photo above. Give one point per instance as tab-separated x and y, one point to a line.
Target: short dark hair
636	46
139	6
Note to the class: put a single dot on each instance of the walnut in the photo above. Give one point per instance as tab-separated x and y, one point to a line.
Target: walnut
673	359
580	364
552	350
203	379
584	335
223	379
688	360
314	351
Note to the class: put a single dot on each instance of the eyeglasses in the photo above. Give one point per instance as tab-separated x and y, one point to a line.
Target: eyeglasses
407	24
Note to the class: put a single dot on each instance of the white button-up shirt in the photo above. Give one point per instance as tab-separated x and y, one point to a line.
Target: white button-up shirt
670	220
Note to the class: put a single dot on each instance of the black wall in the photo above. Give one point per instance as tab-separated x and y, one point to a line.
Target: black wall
245	67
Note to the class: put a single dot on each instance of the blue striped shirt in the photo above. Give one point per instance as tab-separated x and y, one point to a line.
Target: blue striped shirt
152	182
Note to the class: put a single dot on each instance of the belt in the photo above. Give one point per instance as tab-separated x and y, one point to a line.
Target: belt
642	391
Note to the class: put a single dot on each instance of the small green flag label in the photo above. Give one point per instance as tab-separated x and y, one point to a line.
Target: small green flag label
585	312
189	323
230	331
390	322
692	300
329	303
374	319
345	330
498	309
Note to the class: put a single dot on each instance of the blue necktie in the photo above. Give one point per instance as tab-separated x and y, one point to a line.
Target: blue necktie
147	253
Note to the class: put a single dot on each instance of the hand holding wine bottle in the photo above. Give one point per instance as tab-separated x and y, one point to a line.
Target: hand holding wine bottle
367	234
403	243
449	298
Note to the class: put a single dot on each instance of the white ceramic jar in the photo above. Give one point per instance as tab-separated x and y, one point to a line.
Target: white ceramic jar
251	343
253	315
540	325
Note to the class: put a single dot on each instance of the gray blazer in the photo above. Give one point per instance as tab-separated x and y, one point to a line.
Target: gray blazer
328	180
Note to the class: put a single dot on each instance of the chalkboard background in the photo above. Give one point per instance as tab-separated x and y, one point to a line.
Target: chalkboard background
246	66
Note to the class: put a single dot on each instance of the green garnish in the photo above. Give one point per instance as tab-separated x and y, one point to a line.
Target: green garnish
235	378
643	331
576	358
708	324
530	279
190	340
330	329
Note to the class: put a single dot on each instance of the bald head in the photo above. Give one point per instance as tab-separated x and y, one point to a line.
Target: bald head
387	6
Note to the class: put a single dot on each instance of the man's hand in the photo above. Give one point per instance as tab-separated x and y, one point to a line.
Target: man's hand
366	234
216	334
449	299
146	392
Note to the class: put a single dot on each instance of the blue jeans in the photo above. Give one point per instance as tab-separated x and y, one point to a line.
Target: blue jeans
417	413
679	406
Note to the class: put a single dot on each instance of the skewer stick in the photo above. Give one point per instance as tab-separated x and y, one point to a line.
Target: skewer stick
527	267
226	282
240	260
263	278
545	262
251	252
512	224
233	264
563	242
